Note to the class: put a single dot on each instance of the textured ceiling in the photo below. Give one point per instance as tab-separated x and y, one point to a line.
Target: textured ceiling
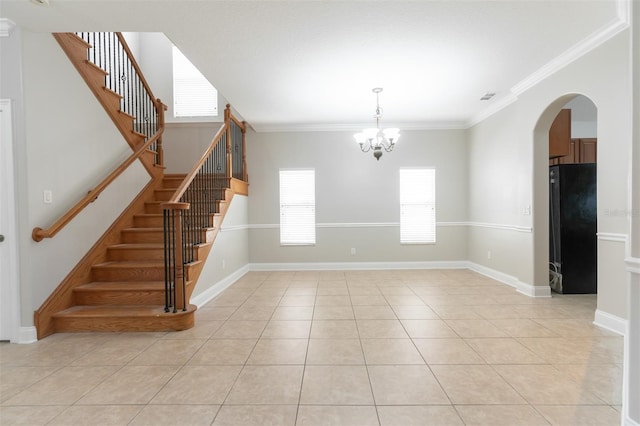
312	64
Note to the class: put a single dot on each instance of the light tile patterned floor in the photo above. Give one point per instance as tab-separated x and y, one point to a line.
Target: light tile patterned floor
433	347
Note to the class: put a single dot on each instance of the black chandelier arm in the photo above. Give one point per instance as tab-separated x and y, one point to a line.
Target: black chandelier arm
367	149
391	146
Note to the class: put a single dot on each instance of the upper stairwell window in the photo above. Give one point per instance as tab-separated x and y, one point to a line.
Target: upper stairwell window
193	95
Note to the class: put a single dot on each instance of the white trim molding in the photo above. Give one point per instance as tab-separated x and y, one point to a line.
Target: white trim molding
521	287
27	335
233	228
356	266
533	290
629	422
609	236
633	264
516	228
610	322
578	50
617	25
353	127
208	295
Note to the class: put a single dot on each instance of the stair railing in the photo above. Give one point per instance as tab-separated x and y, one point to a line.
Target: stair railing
188	215
109	51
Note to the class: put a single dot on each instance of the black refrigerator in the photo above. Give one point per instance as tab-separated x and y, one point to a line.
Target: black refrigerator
572	228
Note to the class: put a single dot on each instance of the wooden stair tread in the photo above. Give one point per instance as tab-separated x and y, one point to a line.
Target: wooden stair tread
137	246
116	311
130	264
121	286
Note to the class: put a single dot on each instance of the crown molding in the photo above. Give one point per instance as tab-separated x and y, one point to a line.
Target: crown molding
353	127
614	27
492	109
579	49
6	26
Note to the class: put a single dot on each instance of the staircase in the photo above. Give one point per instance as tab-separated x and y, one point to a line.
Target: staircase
125	283
137	120
126	292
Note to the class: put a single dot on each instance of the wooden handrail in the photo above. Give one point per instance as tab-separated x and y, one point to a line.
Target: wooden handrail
38	234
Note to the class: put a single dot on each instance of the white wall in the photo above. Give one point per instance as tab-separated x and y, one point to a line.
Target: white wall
184	144
584	117
230	251
155	61
357	197
509	161
69	144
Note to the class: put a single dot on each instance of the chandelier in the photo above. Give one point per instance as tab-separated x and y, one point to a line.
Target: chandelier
374	139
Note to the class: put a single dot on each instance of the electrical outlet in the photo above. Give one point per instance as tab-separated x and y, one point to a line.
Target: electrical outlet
353	251
224	263
489	254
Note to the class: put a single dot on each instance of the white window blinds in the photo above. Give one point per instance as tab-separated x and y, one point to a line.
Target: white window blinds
417	206
193	95
297	207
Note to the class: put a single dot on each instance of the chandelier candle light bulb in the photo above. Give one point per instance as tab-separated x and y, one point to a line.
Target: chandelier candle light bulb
375	139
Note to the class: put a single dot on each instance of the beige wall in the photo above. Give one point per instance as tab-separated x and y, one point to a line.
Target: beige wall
69	146
487	178
506	147
357	197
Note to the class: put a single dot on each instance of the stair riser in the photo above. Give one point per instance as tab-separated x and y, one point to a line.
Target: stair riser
165	322
163	194
107	297
142	237
152	208
128	274
171	183
148	222
135	254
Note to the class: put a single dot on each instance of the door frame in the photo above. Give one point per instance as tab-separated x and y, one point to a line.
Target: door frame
10	288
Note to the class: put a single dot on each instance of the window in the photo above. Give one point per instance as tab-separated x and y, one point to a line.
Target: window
193	95
297	207
417	206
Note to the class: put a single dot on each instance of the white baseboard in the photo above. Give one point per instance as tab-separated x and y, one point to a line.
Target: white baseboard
533	290
27	335
529	290
355	266
521	287
207	295
627	421
610	322
492	273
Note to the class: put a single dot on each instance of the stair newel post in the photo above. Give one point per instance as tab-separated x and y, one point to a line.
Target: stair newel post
245	176
175	284
160	109
227	123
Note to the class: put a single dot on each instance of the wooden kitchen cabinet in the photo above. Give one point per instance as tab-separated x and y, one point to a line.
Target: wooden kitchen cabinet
560	135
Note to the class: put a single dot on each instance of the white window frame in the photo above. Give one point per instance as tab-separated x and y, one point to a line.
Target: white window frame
297	207
418	205
193	95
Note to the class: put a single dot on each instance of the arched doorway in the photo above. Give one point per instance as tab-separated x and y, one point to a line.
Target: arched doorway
579	161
